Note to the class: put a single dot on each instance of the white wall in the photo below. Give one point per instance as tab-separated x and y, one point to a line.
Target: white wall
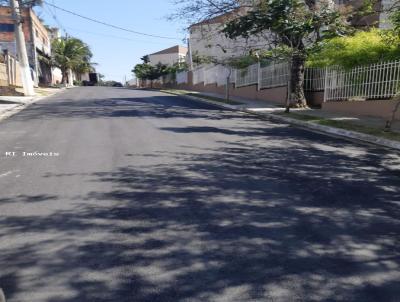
207	40
167	59
57	76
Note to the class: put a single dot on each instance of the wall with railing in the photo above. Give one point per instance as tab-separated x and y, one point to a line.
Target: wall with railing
247	76
375	81
371	82
182	77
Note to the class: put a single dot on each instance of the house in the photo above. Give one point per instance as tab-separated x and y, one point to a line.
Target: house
37	40
169	56
206	39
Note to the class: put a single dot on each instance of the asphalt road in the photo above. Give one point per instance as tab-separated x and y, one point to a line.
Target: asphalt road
150	197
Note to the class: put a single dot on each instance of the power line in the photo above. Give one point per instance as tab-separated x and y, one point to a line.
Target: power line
112	36
108	24
47	10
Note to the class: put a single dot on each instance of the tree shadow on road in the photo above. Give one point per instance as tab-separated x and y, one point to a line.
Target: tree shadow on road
111	107
316	220
264	212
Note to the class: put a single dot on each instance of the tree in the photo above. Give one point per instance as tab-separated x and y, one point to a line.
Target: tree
82	68
70	54
362	48
293	27
145	59
146	71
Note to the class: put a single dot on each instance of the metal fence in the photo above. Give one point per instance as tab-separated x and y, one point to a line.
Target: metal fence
198	75
247	76
314	79
376	81
212	74
182	77
218	75
274	75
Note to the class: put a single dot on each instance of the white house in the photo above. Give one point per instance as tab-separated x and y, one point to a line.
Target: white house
169	56
206	39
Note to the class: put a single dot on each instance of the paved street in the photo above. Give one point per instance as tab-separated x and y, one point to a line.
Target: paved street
144	196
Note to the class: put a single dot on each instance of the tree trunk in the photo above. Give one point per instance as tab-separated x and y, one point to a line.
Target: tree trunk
297	80
64	76
70	78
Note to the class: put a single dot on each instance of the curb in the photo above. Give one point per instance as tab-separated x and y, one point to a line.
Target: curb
21	106
366	138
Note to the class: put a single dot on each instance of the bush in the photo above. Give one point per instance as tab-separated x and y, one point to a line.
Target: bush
364	47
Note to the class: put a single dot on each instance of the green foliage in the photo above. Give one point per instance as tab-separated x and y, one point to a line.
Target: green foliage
291	21
71	53
364	47
243	62
295	26
145	59
235	62
395	20
146	71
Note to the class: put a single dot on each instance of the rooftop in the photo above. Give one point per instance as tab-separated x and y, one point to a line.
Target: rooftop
173	49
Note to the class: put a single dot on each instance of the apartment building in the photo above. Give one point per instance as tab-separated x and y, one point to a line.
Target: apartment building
37	40
169	56
206	39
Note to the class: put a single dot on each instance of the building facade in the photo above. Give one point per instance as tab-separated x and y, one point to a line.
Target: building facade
37	40
169	56
207	40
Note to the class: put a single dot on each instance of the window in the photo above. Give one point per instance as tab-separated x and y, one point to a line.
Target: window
36	33
8	28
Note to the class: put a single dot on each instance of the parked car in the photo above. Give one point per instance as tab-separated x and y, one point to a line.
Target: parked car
87	83
118	84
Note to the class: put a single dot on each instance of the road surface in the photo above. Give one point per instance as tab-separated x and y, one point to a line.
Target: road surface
110	194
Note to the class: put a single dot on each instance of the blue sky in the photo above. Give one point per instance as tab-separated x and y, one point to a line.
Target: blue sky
117	51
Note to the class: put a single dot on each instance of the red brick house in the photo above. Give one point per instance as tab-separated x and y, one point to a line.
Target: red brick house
37	40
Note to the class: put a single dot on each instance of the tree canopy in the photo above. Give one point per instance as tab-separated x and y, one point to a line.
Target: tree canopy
362	48
71	53
291	27
146	71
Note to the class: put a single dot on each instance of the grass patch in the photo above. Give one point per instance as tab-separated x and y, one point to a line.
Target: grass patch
199	95
379	132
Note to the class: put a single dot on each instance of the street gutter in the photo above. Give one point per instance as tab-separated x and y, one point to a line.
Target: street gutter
338	132
20	103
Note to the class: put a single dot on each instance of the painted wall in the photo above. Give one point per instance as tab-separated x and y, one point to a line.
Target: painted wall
167	59
381	108
207	40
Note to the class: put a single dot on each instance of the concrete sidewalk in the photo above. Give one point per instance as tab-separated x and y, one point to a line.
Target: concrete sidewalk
271	107
9	105
362	128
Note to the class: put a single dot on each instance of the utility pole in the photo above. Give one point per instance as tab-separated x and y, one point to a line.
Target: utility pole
190	54
27	81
